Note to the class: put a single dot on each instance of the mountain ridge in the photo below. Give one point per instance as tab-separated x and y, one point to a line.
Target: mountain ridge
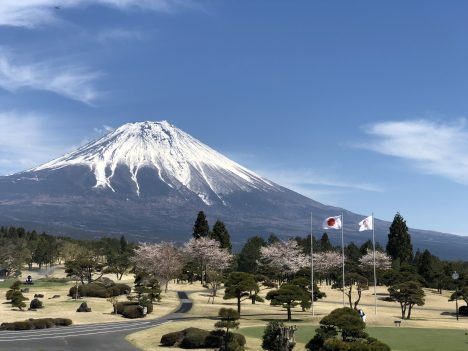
149	179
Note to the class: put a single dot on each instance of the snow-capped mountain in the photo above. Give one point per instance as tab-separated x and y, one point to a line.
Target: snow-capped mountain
175	157
148	180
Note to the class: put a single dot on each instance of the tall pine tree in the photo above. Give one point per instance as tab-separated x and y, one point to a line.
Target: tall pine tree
399	245
221	234
249	256
324	243
201	228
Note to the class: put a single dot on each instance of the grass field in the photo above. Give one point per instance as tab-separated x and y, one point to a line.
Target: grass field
37	284
399	339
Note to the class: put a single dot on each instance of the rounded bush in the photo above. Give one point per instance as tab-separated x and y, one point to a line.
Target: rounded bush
463	310
194	338
133	311
239	339
35	304
97	289
335	345
84	308
119	307
171	339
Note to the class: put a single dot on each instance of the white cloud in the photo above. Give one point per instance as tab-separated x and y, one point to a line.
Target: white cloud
25	142
35	13
74	82
433	147
103	129
320	187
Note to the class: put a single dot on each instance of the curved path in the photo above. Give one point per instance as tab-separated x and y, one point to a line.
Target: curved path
88	337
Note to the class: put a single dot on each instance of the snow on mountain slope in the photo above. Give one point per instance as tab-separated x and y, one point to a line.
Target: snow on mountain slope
178	159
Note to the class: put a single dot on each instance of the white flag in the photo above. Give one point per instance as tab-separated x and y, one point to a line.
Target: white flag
332	223
366	224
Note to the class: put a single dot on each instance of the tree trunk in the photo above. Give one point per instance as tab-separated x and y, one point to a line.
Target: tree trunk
239	305
403	310
289	313
356	303
409	312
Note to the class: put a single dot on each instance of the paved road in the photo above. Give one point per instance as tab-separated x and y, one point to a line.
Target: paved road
90	337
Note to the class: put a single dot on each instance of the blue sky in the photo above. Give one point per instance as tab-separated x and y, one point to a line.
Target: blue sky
360	104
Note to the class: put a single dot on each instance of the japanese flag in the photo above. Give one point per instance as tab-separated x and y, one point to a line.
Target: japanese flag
332	223
366	224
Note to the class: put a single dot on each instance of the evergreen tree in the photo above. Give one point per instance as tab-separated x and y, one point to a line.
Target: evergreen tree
249	256
287	296
324	243
201	228
240	285
399	245
424	267
123	244
221	234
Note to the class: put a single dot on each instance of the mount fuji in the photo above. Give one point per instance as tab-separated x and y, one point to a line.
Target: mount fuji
148	180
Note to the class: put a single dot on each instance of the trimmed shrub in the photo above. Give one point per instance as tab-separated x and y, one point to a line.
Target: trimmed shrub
171	339
97	289
63	322
335	345
463	310
194	338
119	306
35	304
133	311
84	308
30	324
239	339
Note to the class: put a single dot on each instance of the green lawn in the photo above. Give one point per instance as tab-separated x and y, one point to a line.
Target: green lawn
37	284
399	339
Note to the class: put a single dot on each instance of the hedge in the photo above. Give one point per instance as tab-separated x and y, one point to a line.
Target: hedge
99	290
31	323
195	338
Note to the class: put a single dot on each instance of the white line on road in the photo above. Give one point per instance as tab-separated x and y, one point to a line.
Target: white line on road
68	335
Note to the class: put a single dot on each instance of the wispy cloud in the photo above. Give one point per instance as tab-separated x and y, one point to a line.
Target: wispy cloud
35	13
73	81
25	141
433	147
322	187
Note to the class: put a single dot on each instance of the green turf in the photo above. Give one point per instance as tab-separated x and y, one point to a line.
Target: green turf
399	339
37	284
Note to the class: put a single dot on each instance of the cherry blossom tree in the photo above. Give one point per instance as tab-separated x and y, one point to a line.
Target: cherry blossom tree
382	260
163	260
327	261
284	257
210	258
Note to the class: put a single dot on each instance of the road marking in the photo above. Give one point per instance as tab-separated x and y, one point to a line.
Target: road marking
70	333
66	330
77	328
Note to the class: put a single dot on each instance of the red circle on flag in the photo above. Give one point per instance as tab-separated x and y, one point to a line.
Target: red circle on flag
331	222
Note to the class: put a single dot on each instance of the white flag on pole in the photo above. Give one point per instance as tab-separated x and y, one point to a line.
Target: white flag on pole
332	223
366	224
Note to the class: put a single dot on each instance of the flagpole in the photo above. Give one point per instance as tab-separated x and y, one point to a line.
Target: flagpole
312	265
375	274
342	254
